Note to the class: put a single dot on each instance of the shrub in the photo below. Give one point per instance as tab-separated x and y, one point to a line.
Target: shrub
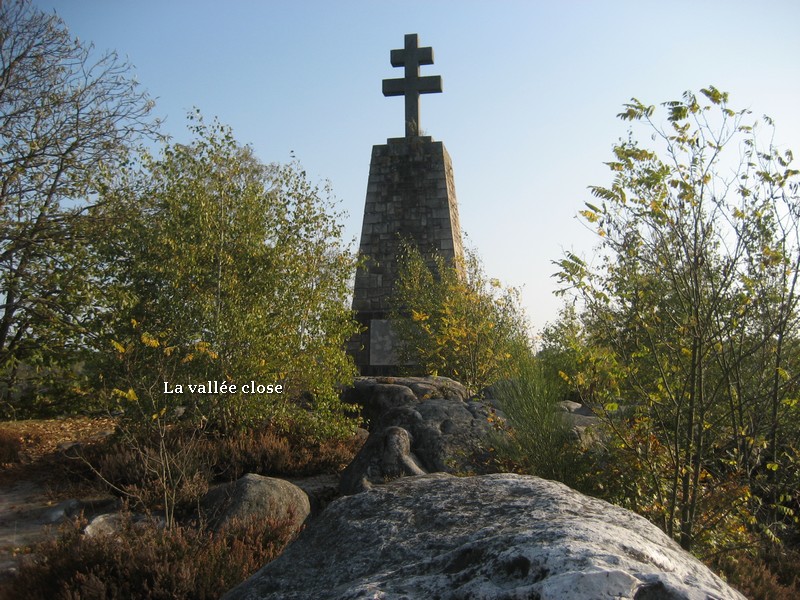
162	469
274	451
539	437
122	463
148	562
10	447
453	320
772	575
199	229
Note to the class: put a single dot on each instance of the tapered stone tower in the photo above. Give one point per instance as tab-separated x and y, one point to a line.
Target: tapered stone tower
411	196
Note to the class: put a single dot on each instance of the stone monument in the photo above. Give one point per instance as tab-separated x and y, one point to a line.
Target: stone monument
411	197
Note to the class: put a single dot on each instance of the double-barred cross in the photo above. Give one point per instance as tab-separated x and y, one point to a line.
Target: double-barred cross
412	85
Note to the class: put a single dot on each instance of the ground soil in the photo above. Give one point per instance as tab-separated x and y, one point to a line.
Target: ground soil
35	493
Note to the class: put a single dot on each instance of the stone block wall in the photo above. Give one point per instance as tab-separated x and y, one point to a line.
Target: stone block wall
410	196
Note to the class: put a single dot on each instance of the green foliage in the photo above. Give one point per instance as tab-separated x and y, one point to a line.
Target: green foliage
633	468
67	120
224	269
538	437
587	370
455	322
148	562
695	300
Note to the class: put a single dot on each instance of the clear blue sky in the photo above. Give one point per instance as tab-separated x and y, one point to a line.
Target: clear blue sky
531	90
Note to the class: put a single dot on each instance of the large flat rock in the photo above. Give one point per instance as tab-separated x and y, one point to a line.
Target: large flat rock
485	537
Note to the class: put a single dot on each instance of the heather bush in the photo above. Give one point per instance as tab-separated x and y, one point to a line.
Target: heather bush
145	561
774	574
10	447
205	457
278	452
162	469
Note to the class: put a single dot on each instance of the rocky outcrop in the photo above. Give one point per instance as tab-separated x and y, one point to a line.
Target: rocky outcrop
490	537
417	425
320	489
255	496
582	422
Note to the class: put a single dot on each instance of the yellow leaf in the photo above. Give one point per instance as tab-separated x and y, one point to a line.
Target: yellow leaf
149	341
589	215
129	395
119	347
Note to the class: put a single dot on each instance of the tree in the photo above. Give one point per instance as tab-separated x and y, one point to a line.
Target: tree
455	321
67	121
225	269
696	296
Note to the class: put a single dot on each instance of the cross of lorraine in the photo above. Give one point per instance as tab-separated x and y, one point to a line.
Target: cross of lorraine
412	85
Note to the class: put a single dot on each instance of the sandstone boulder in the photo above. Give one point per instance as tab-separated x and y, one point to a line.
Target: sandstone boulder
377	395
488	537
255	496
320	489
417	425
583	423
114	523
105	524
